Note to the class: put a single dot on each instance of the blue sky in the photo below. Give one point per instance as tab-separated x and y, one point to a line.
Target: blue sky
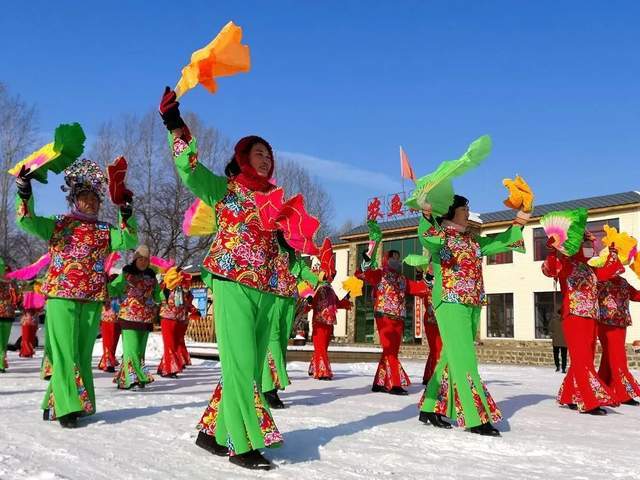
339	85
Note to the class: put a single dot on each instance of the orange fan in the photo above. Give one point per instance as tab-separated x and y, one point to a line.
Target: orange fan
223	57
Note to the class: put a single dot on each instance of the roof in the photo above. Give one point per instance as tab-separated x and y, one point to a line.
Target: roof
603	201
590	203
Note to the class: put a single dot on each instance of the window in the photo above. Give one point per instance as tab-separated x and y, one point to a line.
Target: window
364	306
365	324
500	315
596	227
546	306
500	258
539	244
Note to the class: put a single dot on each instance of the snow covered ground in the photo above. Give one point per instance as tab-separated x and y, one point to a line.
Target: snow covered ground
332	430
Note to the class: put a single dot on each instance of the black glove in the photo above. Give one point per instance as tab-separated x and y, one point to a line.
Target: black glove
366	257
23	183
169	110
126	211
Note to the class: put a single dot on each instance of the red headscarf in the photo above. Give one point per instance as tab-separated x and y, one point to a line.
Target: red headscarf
248	175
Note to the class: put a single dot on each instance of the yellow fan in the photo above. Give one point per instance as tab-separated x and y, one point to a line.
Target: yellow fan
354	286
624	243
520	194
199	220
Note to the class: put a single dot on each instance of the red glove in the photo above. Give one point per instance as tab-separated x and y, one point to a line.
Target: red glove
169	110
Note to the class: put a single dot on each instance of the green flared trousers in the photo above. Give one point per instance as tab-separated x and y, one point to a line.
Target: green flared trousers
72	328
456	390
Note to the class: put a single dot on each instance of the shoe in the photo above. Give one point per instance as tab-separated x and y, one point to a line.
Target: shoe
110	370
564	370
137	386
398	391
572	406
45	415
486	429
69	421
2	370
252	460
598	411
631	401
273	399
557	369
377	388
324	378
209	443
434	419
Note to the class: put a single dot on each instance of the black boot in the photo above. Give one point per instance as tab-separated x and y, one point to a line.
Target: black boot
596	411
111	370
434	419
69	421
572	406
209	443
398	391
485	429
377	388
273	399
631	401
252	460
45	415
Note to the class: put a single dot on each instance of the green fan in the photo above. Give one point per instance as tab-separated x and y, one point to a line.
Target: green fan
417	261
566	228
437	184
67	146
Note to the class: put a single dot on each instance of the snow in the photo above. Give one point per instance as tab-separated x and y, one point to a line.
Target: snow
337	429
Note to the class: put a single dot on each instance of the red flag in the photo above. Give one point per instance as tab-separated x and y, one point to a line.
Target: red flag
405	167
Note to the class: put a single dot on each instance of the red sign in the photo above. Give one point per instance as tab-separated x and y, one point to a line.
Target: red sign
392	208
418	314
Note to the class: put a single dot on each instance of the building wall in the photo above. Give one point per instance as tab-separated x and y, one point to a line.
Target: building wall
523	277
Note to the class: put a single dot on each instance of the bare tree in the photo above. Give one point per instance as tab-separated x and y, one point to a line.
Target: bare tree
18	136
294	178
160	197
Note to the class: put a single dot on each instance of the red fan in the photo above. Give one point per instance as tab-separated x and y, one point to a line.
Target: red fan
116	174
290	217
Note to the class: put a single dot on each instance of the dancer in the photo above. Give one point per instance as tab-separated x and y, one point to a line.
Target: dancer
190	313
110	330
75	282
8	305
325	307
613	320
140	293
240	269
173	309
32	305
431	332
389	308
581	389
456	389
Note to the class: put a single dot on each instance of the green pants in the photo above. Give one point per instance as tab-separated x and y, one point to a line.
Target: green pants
132	370
72	328
5	331
456	390
274	371
238	415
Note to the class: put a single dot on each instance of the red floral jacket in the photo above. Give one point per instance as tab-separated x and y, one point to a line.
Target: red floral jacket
326	304
579	281
390	291
613	297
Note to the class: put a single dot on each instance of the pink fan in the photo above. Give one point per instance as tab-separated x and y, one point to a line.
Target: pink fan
161	264
30	271
33	301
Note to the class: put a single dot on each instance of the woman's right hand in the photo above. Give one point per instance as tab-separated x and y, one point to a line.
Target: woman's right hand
23	183
170	111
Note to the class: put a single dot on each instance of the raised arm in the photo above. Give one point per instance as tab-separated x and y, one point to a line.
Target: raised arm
31	223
